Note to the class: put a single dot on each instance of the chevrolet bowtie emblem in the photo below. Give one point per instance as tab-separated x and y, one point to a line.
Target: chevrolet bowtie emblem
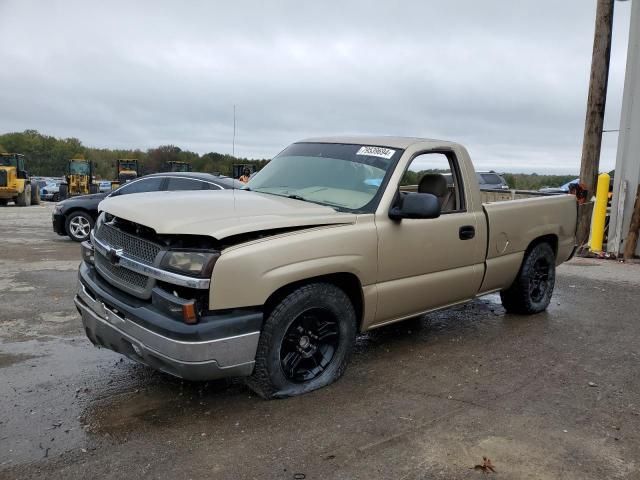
114	254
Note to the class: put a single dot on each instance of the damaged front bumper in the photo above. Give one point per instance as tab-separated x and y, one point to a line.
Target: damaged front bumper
224	345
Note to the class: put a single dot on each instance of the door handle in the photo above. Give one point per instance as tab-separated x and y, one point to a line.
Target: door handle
467	232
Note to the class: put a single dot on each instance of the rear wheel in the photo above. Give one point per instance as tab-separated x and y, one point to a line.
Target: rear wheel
78	226
306	342
3	202
24	198
532	289
35	196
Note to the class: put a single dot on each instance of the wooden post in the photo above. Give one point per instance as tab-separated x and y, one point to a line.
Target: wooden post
595	110
632	239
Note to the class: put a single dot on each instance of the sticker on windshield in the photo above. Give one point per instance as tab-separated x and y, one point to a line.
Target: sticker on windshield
376	152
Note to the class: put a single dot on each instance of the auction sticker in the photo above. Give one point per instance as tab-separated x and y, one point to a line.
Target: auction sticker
376	152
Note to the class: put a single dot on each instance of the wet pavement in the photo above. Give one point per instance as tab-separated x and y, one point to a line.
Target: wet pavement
556	395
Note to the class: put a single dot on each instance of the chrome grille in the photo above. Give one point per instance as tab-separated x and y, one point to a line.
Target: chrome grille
129	280
131	245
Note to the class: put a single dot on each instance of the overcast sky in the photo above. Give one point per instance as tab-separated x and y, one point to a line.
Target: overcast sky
507	79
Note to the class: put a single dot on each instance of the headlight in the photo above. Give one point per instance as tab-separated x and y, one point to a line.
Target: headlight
190	262
99	221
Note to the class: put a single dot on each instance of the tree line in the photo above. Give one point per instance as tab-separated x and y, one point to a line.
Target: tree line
48	156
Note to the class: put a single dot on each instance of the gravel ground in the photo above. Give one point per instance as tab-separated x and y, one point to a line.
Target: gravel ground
556	395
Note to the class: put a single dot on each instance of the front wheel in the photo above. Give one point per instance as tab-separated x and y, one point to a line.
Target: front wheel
24	198
78	226
306	342
532	289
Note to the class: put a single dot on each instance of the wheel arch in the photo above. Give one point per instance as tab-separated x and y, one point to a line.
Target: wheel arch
348	282
81	209
551	239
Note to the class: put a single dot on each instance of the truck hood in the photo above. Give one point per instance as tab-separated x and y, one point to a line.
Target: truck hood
220	214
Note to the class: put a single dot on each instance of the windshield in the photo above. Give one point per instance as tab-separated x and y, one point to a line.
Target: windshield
127	165
79	168
8	161
346	177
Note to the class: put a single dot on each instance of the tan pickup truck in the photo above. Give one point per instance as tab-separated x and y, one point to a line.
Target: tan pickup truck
333	237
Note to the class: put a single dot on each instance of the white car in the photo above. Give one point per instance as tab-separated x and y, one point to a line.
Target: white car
50	191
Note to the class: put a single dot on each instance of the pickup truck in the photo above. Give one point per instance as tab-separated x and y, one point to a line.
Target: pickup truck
333	237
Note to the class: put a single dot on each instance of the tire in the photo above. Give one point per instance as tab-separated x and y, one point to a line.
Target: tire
63	191
3	202
532	289
305	343
24	198
35	196
56	197
78	226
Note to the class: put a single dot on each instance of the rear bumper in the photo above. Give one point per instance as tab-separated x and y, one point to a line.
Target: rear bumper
111	324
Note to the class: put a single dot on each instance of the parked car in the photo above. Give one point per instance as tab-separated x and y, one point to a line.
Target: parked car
561	189
76	216
51	191
491	181
104	186
273	282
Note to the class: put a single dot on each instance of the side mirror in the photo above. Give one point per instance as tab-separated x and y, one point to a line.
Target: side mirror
416	205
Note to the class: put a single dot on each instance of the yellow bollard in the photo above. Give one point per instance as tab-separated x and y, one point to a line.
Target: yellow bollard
600	212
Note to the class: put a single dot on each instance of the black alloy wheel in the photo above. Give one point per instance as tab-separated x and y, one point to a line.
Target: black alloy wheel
309	345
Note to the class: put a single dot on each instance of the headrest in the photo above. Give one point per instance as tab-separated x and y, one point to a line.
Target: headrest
433	183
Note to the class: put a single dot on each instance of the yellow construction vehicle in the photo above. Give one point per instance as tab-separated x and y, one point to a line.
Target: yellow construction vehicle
79	179
174	166
127	171
15	184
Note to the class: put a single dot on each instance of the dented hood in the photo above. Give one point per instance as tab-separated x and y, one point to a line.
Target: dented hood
219	214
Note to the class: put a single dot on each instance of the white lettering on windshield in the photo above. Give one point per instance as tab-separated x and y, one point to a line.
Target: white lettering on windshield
376	152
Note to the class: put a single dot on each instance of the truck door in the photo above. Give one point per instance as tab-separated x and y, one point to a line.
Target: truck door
430	263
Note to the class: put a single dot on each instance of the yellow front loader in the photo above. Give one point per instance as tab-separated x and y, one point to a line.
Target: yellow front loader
15	184
79	179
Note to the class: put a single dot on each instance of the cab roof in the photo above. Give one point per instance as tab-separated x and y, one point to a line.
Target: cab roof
376	141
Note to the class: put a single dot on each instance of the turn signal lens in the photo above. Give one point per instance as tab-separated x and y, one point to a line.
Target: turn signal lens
189	313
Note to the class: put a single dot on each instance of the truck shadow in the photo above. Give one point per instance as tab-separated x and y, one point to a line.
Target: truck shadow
149	401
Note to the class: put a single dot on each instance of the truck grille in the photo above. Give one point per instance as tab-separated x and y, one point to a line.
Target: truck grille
139	249
133	280
3	178
132	246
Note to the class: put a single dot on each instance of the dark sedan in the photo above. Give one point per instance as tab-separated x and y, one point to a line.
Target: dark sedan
76	215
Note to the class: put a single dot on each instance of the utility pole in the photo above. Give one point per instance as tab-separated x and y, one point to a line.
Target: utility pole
594	121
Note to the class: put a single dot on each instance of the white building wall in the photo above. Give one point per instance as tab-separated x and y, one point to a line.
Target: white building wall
628	156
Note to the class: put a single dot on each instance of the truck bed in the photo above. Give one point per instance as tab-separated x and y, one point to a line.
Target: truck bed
511	228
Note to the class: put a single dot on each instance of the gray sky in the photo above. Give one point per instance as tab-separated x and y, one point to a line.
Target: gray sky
507	79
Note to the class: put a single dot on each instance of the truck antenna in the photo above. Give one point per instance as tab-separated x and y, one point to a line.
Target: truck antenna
233	144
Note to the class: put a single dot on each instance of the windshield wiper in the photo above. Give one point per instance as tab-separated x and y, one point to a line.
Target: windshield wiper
297	197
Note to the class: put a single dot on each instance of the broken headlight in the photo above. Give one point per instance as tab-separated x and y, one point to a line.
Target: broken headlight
196	263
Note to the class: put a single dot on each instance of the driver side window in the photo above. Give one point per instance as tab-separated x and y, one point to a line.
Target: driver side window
435	173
